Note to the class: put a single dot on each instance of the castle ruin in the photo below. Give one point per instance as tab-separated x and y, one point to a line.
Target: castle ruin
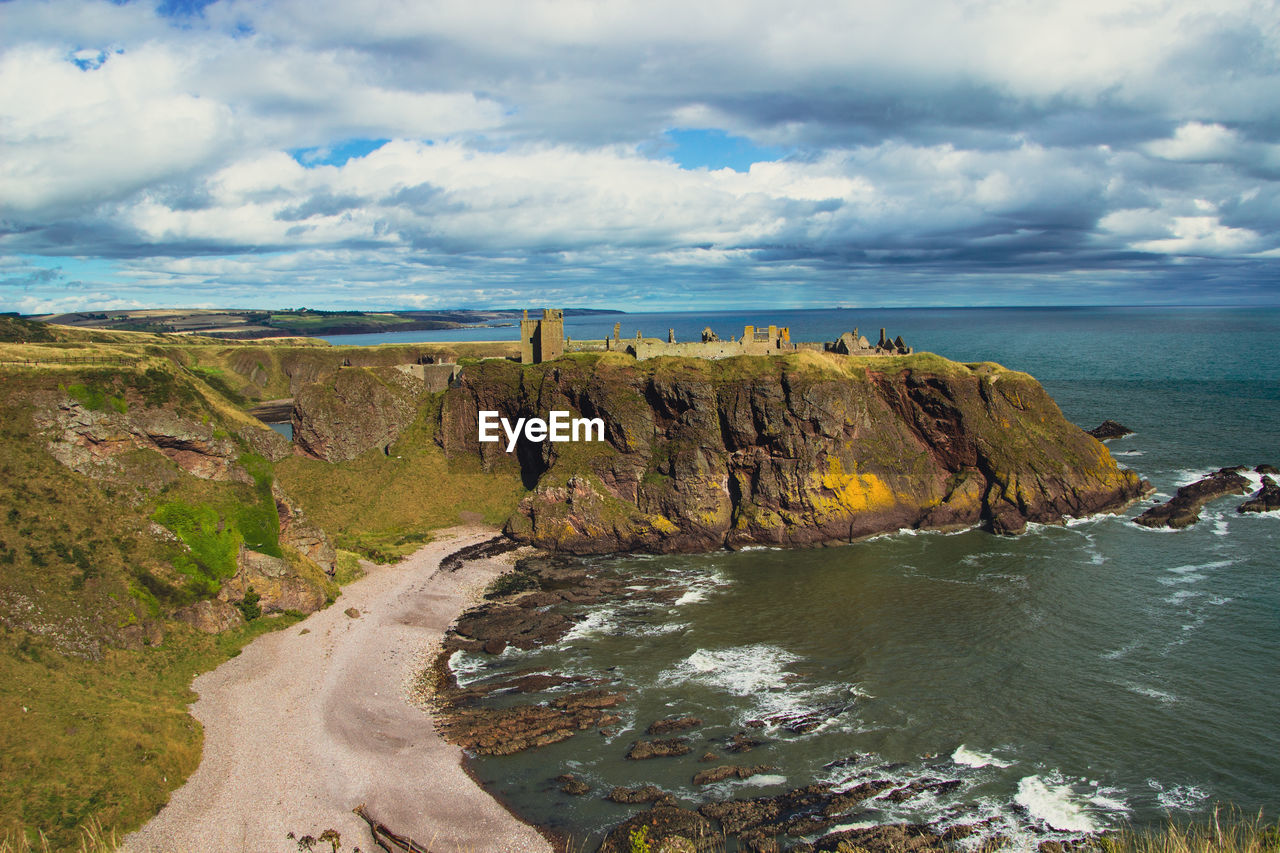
543	340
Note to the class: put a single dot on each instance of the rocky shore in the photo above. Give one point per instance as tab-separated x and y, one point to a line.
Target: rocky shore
523	709
1183	509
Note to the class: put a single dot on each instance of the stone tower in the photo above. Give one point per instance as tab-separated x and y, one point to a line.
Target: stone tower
542	340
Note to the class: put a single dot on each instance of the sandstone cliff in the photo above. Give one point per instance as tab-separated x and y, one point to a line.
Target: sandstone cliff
798	450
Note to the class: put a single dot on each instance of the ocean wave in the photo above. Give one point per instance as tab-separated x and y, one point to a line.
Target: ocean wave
741	670
600	621
1116	654
1055	803
973	758
1198	567
1152	693
470	667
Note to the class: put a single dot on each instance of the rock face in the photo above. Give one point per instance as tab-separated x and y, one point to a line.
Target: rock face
280	586
296	533
1108	430
1183	509
211	616
1266	500
88	441
360	409
785	451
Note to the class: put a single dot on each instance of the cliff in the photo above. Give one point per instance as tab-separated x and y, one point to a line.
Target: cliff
798	450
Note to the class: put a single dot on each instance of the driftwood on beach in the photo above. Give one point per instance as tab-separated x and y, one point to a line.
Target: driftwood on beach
385	838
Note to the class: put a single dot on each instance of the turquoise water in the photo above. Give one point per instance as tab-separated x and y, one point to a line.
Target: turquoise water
1071	678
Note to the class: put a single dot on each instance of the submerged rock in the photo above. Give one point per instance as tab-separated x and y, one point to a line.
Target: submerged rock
645	794
572	785
731	771
1183	509
666	748
673	724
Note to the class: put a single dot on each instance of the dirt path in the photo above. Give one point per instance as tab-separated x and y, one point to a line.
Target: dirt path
302	727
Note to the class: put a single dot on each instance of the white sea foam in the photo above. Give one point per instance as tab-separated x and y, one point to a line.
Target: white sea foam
1196	567
1151	692
1128	453
859	691
658	629
1110	799
1181	596
1190	577
974	758
741	670
858	824
761	780
1054	802
1190	573
693	596
1183	797
1220	526
468	667
597	622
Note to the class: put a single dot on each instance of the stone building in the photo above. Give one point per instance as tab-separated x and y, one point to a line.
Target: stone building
542	340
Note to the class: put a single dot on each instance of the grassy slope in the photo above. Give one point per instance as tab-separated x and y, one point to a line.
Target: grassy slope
104	733
384	506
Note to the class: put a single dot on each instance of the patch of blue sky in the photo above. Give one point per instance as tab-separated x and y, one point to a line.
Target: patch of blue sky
182	8
716	149
337	154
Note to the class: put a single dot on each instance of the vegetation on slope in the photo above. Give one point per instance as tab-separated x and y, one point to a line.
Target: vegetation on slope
94	672
384	505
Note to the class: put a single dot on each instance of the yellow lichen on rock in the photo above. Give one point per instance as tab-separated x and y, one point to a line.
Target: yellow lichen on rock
853	492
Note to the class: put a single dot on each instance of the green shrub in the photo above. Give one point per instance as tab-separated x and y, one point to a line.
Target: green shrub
511	583
248	606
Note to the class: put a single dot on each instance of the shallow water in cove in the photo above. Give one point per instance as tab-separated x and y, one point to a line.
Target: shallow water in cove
1071	678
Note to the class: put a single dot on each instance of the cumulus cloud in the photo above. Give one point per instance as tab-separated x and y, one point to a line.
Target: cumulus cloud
421	153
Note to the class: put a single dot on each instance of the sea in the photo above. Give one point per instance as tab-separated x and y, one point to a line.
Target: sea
1076	678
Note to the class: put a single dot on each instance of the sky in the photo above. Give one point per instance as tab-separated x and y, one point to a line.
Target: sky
656	155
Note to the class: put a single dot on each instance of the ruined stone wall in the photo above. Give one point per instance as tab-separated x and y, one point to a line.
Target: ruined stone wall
434	377
651	348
